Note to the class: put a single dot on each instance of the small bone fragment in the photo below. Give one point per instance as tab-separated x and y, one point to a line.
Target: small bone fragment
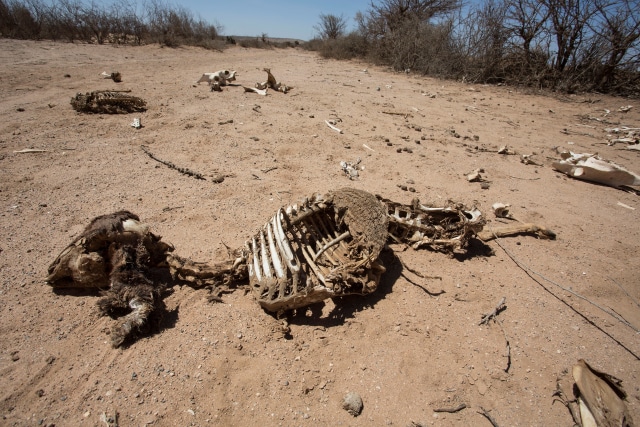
501	210
31	150
475	176
528	160
506	150
626	206
259	91
332	126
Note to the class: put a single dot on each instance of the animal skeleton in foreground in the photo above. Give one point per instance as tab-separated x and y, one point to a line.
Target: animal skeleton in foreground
327	246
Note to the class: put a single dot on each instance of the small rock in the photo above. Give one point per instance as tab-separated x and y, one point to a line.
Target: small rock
352	403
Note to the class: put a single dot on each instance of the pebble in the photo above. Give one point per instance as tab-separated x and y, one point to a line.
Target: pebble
352	403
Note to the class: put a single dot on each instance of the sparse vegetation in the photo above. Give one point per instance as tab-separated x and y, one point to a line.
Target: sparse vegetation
563	45
121	22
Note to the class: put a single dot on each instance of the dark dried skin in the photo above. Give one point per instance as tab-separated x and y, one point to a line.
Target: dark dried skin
116	252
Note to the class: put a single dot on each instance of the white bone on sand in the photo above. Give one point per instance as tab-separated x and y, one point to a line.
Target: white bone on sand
590	167
222	76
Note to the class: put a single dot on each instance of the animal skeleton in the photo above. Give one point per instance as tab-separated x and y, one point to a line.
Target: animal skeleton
272	83
218	79
107	101
325	247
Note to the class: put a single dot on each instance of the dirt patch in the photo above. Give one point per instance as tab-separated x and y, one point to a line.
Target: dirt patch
412	346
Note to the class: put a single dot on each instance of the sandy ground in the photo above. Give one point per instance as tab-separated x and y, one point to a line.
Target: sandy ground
402	350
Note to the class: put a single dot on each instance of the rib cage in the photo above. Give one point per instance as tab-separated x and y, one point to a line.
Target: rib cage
326	247
110	102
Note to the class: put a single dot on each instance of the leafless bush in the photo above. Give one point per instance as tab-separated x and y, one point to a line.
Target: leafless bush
331	27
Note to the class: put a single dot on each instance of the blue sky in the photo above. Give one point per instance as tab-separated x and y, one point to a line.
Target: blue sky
276	18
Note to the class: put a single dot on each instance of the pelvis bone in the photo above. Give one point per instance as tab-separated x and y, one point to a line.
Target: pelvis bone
590	167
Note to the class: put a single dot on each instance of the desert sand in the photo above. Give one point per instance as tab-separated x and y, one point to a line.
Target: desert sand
413	346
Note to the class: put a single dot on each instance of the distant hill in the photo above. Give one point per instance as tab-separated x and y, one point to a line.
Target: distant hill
269	39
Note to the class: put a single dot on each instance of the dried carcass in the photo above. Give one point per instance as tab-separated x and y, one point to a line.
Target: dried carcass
107	101
272	83
325	247
118	253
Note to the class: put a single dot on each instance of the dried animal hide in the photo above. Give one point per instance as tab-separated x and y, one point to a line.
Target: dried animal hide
590	167
116	252
601	397
107	102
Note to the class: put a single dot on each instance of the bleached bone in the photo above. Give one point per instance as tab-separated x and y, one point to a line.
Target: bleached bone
332	126
590	167
351	169
222	76
501	210
115	76
328	246
259	91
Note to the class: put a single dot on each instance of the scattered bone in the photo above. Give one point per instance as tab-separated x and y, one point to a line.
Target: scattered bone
351	169
31	150
272	83
506	150
475	175
601	397
626	206
262	92
527	159
136	123
170	165
331	124
501	210
352	403
625	108
591	167
115	76
458	408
